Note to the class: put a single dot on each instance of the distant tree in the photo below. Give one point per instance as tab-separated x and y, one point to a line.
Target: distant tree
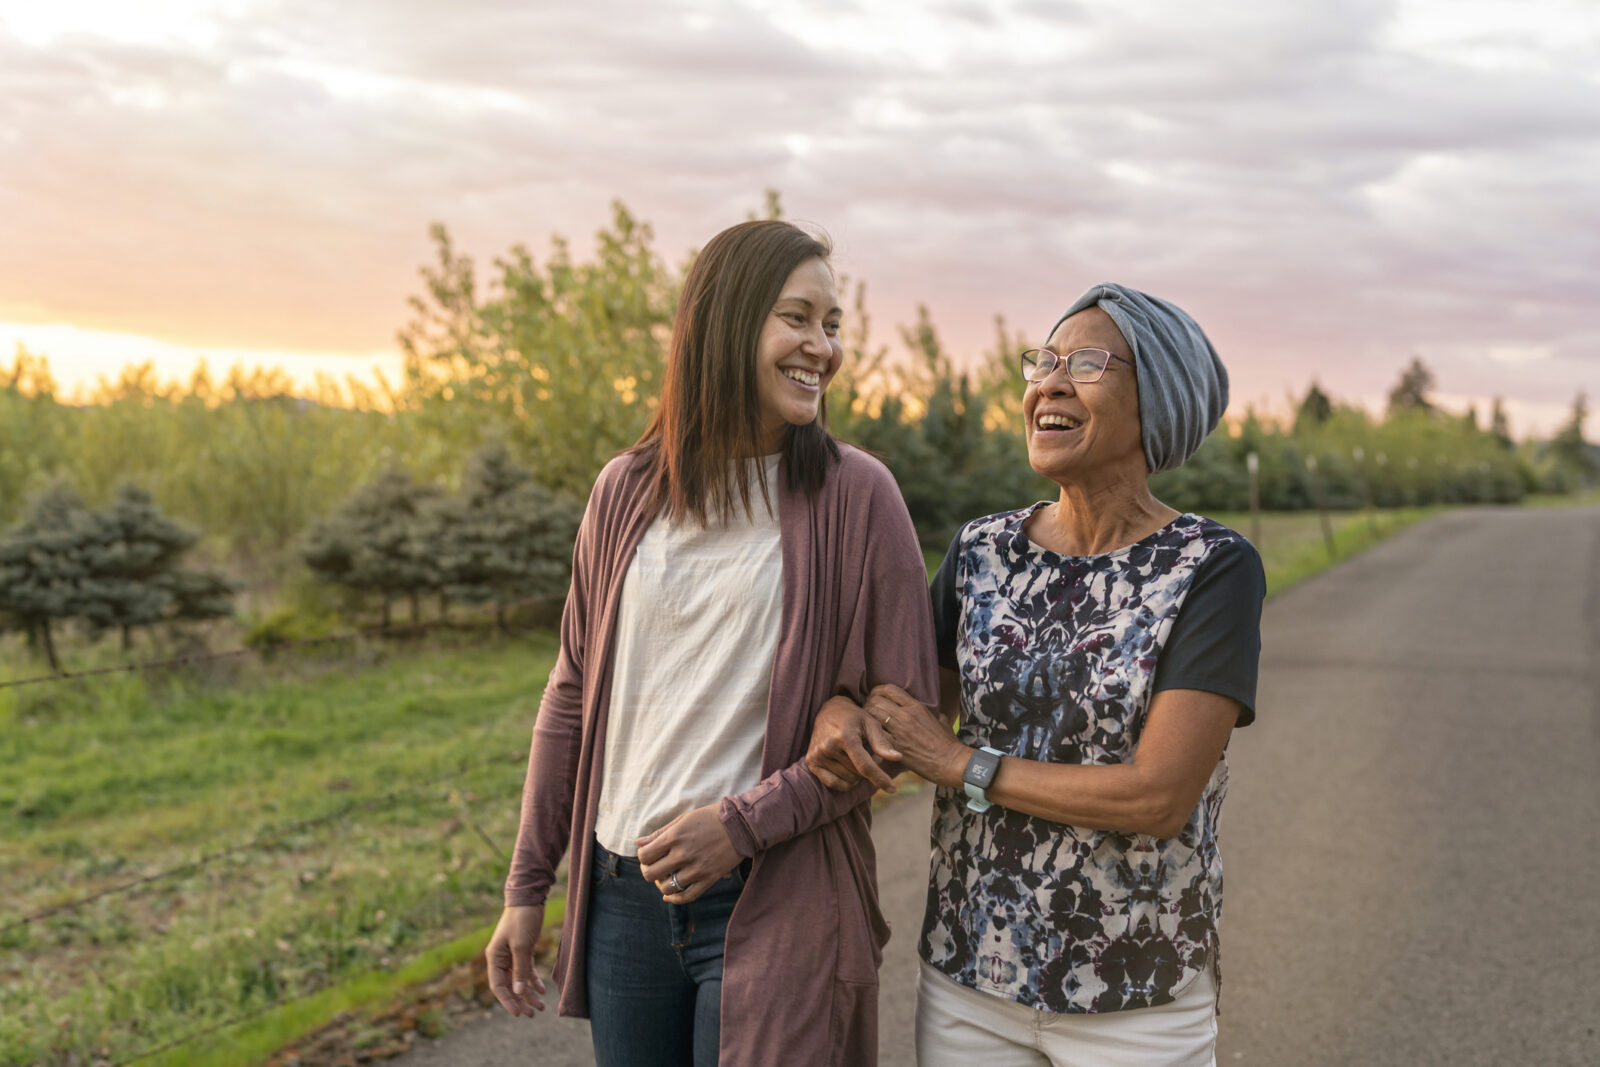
1412	392
33	432
376	542
1568	447
933	433
1499	426
44	566
1314	410
1214	478
504	538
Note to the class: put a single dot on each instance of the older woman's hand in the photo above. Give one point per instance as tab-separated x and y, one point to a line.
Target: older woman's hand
847	745
925	744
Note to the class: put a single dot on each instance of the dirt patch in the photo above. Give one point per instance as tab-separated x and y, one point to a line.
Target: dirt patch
451	999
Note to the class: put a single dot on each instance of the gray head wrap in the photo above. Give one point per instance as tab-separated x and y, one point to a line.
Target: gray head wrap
1183	387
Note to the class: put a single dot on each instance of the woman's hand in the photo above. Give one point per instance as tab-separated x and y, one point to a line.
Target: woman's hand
512	979
924	743
847	745
695	847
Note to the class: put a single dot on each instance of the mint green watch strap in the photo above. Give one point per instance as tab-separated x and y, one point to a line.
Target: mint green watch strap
978	799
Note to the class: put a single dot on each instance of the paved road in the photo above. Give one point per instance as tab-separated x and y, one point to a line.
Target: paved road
1413	836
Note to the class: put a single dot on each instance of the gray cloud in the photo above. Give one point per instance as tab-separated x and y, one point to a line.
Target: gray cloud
1327	203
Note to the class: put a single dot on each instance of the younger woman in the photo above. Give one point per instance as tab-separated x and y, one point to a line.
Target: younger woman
735	569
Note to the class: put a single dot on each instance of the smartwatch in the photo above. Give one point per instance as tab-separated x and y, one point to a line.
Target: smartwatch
979	776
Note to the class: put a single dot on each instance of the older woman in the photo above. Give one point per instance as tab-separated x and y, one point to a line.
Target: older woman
1098	651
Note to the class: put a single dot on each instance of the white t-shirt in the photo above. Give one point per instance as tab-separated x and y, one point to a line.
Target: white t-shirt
697	630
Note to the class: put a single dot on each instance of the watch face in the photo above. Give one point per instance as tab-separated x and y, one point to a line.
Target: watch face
980	771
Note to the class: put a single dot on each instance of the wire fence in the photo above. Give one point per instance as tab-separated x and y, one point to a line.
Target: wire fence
277	836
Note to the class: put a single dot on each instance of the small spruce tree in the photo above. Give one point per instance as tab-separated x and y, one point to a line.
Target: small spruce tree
504	538
44	566
132	548
376	542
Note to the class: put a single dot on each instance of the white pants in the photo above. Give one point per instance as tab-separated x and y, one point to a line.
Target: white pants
962	1027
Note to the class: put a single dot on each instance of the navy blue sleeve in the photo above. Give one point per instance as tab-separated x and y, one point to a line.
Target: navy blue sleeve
946	594
1215	642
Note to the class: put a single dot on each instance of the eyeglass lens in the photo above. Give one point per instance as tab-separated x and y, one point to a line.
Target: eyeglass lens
1084	365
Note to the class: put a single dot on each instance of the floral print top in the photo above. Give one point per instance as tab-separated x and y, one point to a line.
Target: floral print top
1059	657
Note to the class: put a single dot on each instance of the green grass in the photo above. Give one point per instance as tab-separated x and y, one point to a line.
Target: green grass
251	1042
1293	546
419	745
1588	498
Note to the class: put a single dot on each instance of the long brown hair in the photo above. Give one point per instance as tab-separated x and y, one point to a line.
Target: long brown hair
708	419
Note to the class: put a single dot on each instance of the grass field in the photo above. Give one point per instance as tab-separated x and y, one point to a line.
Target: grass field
406	759
411	754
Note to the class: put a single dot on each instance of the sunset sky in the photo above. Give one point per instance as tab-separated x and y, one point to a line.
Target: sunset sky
1329	187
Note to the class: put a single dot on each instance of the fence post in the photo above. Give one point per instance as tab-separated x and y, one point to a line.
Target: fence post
1252	463
1322	505
1366	489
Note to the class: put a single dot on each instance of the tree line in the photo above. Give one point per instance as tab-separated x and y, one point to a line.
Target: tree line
553	365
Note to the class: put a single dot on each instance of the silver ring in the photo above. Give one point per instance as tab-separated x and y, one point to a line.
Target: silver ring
887	719
673	882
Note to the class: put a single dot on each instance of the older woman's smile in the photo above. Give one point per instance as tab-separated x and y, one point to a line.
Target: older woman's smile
1053	422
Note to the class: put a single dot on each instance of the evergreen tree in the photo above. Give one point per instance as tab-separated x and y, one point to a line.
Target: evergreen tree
195	596
1499	426
44	566
951	464
1412	391
132	549
1314	410
1568	448
376	542
505	538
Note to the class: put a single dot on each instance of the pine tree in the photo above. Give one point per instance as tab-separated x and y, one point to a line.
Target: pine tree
505	538
44	566
1568	447
1499	426
376	542
195	596
1314	410
132	549
1411	392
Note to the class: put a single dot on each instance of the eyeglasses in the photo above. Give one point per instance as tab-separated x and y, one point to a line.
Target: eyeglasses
1085	365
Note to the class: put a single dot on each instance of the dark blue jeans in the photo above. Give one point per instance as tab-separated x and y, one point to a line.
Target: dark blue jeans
654	969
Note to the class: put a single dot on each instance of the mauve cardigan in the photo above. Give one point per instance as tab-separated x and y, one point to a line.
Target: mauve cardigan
800	978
